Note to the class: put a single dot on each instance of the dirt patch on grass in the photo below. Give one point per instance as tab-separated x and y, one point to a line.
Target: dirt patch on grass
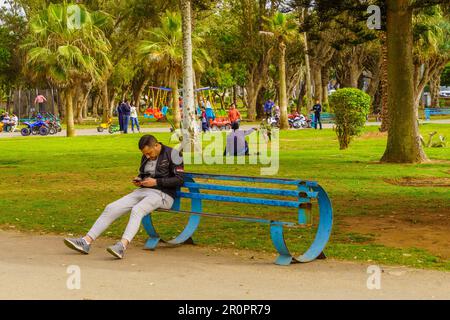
373	134
420	182
420	229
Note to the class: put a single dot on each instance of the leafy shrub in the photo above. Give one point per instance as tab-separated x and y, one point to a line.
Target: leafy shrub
351	107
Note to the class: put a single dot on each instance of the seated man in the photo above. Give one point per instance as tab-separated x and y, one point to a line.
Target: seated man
236	143
159	177
6	122
13	122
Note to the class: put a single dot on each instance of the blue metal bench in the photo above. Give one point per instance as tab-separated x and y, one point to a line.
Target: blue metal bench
324	117
301	194
435	111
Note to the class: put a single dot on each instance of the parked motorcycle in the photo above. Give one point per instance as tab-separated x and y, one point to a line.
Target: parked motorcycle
299	121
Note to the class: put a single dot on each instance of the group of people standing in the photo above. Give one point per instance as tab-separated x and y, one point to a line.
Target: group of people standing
207	115
127	112
8	122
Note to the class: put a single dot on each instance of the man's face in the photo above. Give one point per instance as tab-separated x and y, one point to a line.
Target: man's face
151	152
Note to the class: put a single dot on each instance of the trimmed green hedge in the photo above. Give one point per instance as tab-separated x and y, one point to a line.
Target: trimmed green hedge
351	107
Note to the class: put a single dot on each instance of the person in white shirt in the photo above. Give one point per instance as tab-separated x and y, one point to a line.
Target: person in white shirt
134	118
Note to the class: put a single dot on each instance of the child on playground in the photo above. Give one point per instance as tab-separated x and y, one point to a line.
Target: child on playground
160	174
204	120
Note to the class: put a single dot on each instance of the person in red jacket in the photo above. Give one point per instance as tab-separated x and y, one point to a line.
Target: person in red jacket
233	114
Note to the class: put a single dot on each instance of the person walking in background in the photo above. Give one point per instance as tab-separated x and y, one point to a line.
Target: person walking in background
134	118
204	120
40	100
124	112
233	114
120	116
268	108
317	108
210	116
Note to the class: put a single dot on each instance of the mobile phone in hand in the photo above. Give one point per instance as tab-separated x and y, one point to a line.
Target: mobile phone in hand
137	180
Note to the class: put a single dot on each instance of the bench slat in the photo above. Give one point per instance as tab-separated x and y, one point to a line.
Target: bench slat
276	192
266	202
251	179
231	217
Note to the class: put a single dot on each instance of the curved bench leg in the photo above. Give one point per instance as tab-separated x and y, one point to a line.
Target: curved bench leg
276	234
324	230
154	237
194	220
186	235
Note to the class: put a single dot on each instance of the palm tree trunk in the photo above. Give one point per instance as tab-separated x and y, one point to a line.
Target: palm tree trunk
403	145
175	103
68	97
105	102
189	119
284	124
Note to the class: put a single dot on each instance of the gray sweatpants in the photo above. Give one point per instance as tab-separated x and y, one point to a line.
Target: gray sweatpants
140	202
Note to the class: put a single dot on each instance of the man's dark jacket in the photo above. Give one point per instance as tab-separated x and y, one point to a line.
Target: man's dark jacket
169	175
124	109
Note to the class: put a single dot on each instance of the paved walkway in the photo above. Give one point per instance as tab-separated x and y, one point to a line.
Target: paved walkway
93	131
35	267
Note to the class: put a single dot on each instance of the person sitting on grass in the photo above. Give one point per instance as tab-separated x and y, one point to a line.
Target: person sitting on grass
236	143
6	122
158	179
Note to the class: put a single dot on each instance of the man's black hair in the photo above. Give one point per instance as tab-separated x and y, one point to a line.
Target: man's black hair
235	125
147	140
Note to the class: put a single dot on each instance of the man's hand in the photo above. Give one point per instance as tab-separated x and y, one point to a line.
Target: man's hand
137	181
150	182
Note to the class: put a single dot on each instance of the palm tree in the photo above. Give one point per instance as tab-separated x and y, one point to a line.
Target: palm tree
67	53
164	47
189	126
283	28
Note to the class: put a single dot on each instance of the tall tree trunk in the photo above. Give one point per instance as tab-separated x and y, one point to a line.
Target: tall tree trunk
20	102
138	93
308	86
385	121
112	102
260	103
189	119
435	84
403	145
68	99
105	102
175	103
317	75
95	104
325	81
252	96
284	124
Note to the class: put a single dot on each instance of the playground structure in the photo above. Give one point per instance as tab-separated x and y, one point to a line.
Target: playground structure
158	101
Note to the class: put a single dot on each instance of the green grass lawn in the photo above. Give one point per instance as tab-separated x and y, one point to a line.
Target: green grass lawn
60	185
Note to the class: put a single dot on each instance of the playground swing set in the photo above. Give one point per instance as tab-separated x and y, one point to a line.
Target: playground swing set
157	106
